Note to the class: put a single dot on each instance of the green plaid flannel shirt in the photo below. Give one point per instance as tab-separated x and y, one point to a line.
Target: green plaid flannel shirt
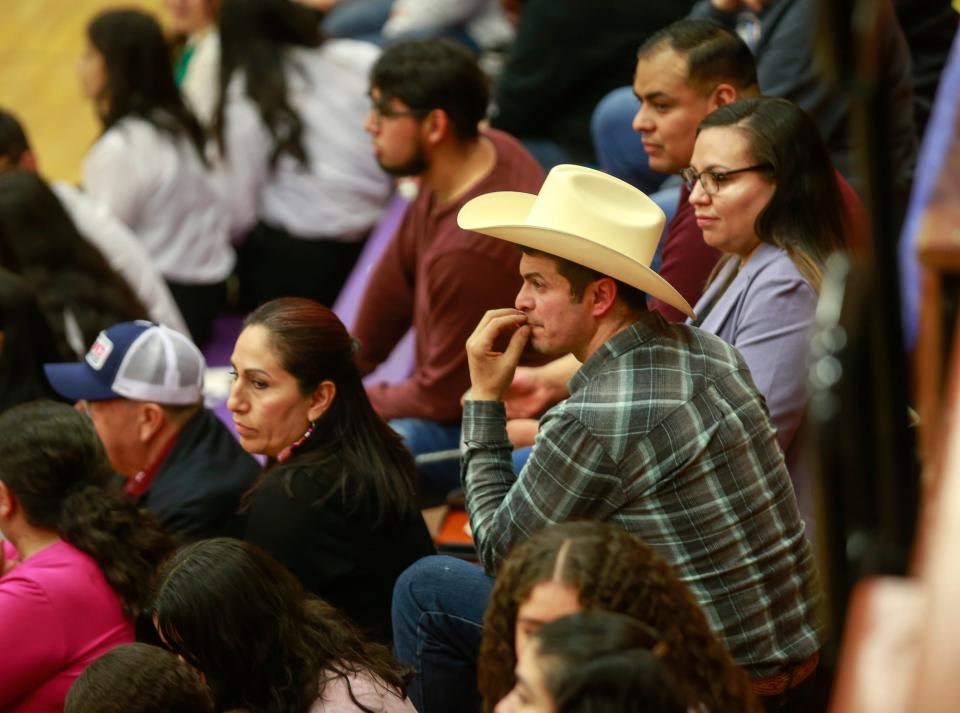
665	435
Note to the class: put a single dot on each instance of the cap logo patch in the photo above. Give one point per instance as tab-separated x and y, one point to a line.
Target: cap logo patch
99	352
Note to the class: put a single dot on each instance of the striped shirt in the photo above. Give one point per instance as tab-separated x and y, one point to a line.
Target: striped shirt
665	435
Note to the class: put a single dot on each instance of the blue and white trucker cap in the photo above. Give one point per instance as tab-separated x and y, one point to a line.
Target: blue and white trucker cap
134	360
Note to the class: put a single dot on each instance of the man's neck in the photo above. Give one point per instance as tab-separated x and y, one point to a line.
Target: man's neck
456	167
607	329
159	445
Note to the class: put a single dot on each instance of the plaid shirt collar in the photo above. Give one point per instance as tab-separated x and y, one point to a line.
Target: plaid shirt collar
648	327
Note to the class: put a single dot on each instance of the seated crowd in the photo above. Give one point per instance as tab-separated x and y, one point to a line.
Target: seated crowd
617	391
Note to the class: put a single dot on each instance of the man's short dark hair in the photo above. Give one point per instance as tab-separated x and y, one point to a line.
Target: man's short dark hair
137	678
13	139
715	55
580	277
435	73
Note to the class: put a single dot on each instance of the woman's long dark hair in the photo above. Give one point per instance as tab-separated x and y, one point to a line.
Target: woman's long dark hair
139	81
262	643
40	243
54	464
28	344
368	458
254	38
610	570
805	216
603	662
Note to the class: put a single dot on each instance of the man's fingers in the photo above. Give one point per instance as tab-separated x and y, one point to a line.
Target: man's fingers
486	333
518	340
492	314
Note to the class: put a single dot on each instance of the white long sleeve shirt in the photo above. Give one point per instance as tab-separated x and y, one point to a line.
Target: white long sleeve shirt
344	191
124	253
160	189
484	20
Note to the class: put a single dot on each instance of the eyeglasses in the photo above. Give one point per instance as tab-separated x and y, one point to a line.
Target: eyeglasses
711	180
381	110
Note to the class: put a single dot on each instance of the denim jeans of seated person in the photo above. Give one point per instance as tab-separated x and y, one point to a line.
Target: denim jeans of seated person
438	607
424	438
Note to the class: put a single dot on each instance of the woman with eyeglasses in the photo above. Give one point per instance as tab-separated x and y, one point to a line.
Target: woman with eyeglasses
765	194
303	185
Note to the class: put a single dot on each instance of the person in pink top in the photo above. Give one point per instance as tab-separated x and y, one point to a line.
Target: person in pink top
262	643
76	557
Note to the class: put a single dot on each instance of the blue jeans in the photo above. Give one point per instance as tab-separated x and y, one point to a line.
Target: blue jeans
423	438
438	607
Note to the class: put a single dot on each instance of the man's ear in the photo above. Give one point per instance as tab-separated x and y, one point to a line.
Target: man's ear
321	399
435	127
151	419
722	95
603	292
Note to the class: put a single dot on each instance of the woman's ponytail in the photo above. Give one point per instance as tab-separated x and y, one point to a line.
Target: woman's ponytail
52	461
127	542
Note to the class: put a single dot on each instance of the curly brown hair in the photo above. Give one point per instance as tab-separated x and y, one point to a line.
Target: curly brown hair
613	571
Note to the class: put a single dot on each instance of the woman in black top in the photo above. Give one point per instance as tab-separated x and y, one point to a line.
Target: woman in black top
336	501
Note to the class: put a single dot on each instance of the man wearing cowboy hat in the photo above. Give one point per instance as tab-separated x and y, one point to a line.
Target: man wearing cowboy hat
664	432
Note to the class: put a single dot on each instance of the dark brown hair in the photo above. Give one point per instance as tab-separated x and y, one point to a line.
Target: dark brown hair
604	662
40	243
313	346
580	277
255	36
263	644
613	571
139	81
138	678
52	461
805	216
714	54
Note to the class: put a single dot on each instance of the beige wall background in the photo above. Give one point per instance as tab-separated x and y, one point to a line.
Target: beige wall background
40	41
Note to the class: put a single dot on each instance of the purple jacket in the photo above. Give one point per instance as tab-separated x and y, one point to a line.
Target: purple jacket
767	312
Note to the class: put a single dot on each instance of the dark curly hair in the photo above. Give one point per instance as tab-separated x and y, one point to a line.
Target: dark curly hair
54	464
602	662
40	243
613	571
262	643
138	678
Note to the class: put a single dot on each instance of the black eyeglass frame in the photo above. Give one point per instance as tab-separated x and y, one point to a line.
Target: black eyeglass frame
690	176
382	111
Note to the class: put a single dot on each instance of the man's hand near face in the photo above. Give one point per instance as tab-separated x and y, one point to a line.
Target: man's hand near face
491	371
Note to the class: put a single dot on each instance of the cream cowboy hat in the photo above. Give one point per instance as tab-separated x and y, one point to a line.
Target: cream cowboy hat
585	216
